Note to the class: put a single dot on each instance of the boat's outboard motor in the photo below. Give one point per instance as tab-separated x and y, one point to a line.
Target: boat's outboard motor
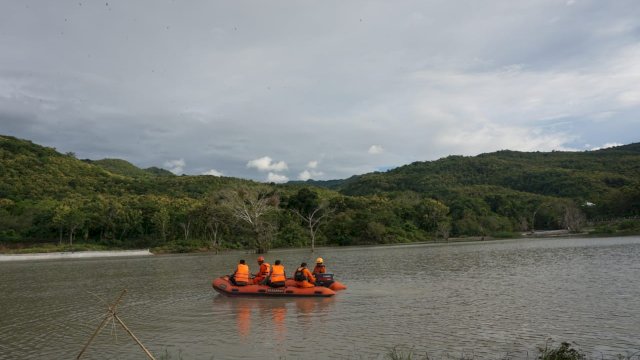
324	279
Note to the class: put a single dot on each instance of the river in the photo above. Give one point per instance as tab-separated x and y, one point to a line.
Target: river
487	299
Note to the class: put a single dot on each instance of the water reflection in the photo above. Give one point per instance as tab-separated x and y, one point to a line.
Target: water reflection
243	319
254	317
279	314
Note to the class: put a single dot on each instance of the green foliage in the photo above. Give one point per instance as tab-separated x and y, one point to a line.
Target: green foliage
505	235
48	197
120	167
305	201
617	227
290	231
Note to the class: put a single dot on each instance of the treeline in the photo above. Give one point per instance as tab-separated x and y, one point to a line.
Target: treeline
48	197
242	217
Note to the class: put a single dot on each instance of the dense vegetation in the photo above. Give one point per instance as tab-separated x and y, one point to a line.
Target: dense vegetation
50	197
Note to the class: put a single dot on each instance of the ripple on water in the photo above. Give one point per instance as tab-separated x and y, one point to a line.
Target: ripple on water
487	299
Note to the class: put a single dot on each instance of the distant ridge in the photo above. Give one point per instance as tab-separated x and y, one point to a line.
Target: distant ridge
31	171
584	174
123	167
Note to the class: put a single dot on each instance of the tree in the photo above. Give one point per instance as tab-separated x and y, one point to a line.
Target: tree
376	231
216	219
128	217
185	215
70	215
310	210
254	208
434	217
160	220
573	218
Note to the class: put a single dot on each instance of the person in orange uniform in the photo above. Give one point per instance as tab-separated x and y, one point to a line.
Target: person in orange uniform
277	277
320	273
303	277
241	276
320	268
263	272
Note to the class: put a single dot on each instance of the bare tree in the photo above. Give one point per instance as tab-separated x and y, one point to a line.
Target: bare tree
216	220
253	207
314	219
573	218
213	229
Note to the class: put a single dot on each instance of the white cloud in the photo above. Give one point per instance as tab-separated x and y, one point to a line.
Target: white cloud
212	172
309	174
603	116
629	98
276	178
266	164
176	166
375	150
305	175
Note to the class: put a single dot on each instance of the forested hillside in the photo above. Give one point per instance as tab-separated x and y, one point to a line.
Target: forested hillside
122	167
565	174
49	197
608	178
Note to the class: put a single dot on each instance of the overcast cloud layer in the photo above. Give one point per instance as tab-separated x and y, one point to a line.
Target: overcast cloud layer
278	91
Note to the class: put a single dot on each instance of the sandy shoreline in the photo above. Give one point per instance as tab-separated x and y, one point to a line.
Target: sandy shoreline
74	255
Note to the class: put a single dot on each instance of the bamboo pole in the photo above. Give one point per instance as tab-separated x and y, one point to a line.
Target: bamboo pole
95	333
110	313
134	337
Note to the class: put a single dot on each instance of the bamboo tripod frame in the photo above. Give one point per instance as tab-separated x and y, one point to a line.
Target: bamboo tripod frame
111	315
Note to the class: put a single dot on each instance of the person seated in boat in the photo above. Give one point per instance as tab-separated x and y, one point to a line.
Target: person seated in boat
320	268
265	269
303	277
320	273
277	277
241	276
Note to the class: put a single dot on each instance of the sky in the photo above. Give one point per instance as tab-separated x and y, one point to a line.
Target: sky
295	90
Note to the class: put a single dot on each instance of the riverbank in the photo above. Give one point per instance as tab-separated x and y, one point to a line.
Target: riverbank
202	247
74	255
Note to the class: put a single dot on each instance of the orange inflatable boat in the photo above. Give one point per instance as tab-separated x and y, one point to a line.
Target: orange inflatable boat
225	287
323	280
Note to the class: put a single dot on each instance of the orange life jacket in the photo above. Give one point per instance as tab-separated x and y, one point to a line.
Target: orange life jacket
319	269
265	269
242	273
303	274
277	273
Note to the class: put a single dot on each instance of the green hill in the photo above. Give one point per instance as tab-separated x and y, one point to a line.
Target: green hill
34	172
46	196
583	176
125	168
31	172
488	192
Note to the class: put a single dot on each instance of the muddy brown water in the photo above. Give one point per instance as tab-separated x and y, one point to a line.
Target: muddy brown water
486	300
